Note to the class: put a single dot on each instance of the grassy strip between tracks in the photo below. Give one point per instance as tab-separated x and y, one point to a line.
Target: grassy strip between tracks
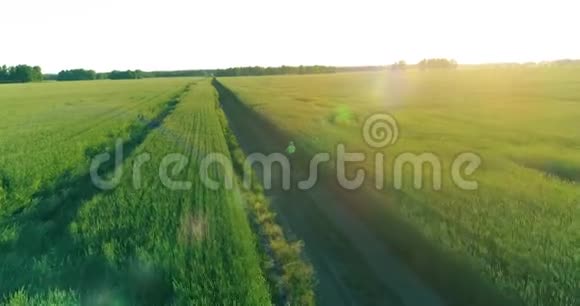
290	276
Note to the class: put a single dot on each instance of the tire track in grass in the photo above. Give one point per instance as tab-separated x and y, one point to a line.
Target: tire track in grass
290	275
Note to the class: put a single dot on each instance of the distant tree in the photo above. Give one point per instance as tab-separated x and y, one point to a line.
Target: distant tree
117	75
437	63
178	73
4	74
20	74
126	75
36	75
76	75
400	65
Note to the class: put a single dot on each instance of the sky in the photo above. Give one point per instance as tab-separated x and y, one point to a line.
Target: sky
177	34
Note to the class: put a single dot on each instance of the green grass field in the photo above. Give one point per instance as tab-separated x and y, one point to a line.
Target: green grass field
42	123
520	229
63	241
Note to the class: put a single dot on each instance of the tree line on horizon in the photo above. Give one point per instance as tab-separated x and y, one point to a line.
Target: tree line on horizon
437	63
76	75
425	64
257	70
25	73
20	74
83	74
